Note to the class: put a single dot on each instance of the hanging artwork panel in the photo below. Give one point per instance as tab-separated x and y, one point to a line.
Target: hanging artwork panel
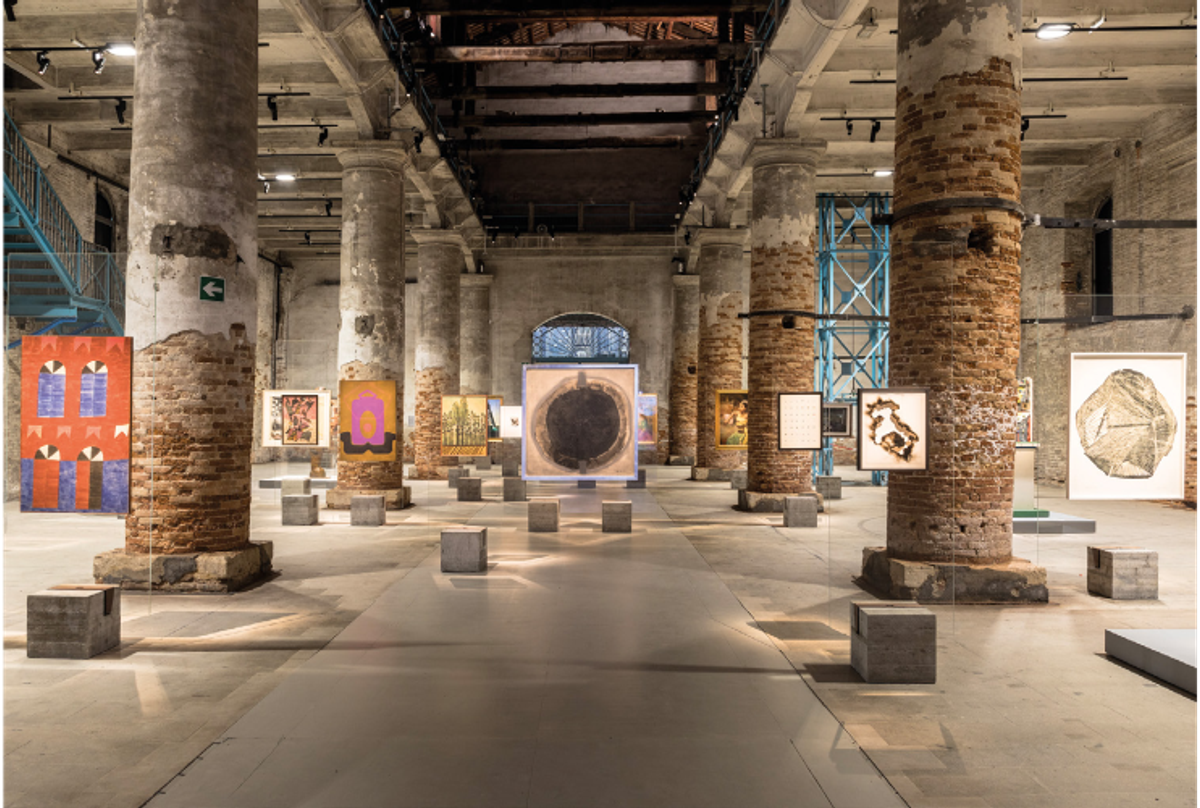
1127	422
296	417
494	406
510	421
837	419
893	429
733	419
800	421
75	419
647	419
464	426
368	424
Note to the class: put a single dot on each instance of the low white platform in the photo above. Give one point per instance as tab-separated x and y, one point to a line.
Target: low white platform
1054	523
1167	654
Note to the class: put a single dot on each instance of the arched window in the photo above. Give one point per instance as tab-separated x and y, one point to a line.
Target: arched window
1102	264
581	337
93	390
52	390
106	224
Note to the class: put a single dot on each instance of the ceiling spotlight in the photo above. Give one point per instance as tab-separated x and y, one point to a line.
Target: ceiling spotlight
324	136
870	26
418	138
121	107
285	177
328	207
98	61
849	128
266	187
43	60
1024	127
1054	30
121	49
273	105
882	172
307	237
875	127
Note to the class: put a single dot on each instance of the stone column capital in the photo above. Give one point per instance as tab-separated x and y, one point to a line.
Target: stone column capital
721	237
786	151
451	238
383	154
683	281
476	279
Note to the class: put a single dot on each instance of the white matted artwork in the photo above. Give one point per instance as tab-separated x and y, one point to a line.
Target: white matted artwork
295	417
510	421
800	421
893	429
837	419
1126	426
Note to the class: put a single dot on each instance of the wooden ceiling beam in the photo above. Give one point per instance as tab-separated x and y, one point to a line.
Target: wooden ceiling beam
648	51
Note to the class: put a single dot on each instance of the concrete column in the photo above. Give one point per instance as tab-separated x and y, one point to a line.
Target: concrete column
783	276
264	355
192	214
371	303
681	418
956	283
720	345
475	317
440	264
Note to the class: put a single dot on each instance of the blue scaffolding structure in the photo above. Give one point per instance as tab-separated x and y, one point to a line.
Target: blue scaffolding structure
854	269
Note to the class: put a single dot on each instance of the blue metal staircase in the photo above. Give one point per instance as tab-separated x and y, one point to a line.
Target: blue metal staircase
50	272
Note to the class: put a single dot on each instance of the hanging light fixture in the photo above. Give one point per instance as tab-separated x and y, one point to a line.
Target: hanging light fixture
121	49
43	62
1054	30
98	61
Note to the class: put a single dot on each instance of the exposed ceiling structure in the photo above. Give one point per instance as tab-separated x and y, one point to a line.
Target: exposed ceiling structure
541	103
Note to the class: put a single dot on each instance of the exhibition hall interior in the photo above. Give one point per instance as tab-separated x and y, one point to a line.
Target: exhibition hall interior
724	404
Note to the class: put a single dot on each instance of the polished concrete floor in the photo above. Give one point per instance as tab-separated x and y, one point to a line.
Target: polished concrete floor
701	660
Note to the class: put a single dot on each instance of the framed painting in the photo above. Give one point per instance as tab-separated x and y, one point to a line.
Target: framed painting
580	422
510	421
893	429
295	417
647	419
799	420
465	425
732	424
75	423
1025	410
837	419
494	405
1126	431
369	430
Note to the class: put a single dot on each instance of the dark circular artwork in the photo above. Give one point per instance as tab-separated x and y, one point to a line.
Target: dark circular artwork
582	425
1126	426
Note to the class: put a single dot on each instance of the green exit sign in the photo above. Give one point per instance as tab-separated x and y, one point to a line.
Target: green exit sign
212	289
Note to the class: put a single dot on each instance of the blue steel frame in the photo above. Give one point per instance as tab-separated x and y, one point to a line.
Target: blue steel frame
854	272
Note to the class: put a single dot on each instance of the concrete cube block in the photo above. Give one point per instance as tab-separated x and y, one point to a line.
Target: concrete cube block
640	482
300	509
511	467
514	489
1122	573
455	474
483	463
893	642
367	510
543	514
737	479
616	516
470	489
800	511
587	484
829	487
73	621
295	485
464	549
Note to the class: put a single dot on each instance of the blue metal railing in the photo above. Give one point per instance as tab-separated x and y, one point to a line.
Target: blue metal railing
92	277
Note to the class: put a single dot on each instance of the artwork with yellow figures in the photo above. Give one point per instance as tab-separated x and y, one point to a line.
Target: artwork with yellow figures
733	412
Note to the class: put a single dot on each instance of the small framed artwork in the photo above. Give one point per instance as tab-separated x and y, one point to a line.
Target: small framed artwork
494	405
893	429
799	421
510	421
296	417
464	425
733	410
647	419
837	419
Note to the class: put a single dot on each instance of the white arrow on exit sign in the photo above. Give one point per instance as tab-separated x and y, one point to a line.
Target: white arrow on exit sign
212	289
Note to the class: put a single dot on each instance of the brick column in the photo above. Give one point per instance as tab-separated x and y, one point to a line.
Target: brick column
436	369
956	285
475	317
720	345
193	213
681	418
783	275
371	303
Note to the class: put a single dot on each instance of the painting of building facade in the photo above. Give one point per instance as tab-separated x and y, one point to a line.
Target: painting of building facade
465	425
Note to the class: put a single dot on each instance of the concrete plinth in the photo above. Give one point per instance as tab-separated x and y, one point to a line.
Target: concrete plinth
367	511
470	489
1018	581
708	474
829	487
759	502
73	621
800	511
300	509
455	474
737	480
681	460
393	499
1122	573
225	571
893	643
464	549
543	514
616	516
483	463
514	489
587	484
511	468
640	482
295	485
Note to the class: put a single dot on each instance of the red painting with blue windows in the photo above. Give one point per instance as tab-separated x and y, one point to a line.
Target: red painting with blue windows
75	397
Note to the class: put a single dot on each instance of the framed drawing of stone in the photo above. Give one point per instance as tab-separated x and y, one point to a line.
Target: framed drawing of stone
1126	431
75	422
733	407
837	419
893	429
647	419
799	421
494	405
510	421
464	425
295	417
368	423
580	422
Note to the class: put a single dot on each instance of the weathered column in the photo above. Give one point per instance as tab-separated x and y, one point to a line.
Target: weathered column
436	369
783	276
475	316
681	418
371	303
956	286
720	345
193	214
264	354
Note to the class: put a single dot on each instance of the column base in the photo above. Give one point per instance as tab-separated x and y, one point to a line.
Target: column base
680	460
226	571
394	499
761	502
1017	581
703	474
